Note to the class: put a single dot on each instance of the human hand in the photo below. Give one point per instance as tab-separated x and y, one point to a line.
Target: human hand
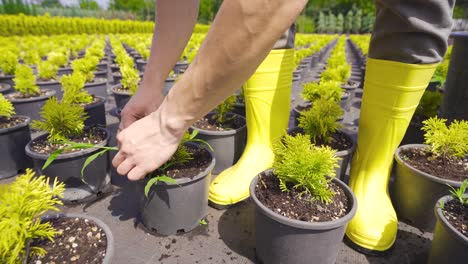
146	145
145	101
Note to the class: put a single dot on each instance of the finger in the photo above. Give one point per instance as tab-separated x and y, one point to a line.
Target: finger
125	167
137	173
118	159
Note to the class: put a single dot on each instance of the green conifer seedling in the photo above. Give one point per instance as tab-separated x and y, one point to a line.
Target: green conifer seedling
86	66
446	141
58	59
47	70
327	90
130	78
25	81
223	109
305	166
73	89
6	108
320	121
8	62
22	203
61	120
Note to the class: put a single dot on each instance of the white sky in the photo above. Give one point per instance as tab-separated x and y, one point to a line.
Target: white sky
103	3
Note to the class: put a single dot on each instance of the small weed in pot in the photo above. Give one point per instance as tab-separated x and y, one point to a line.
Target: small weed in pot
22	203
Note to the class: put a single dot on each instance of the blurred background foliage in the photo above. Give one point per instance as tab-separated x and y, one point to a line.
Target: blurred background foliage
319	16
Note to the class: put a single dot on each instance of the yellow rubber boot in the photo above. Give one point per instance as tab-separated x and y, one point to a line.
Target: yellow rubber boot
267	99
392	91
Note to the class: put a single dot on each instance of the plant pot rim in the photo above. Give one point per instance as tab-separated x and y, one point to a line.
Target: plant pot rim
65	156
440	216
350	87
98	222
350	150
97	82
185	180
6	76
422	173
224	132
142	60
115	91
181	63
101	101
302	224
17	127
4	87
49	82
49	93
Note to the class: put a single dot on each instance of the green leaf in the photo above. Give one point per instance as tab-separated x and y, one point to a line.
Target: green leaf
52	157
91	159
155	180
166	179
204	142
194	134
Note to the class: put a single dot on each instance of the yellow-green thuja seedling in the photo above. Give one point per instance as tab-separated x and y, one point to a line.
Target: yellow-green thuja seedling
301	164
328	90
6	108
47	70
25	81
73	89
22	203
130	78
8	62
62	120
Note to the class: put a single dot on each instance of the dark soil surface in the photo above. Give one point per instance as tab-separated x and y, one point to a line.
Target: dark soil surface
209	123
18	95
457	215
350	84
201	160
303	208
10	122
90	136
454	169
96	81
340	141
303	107
81	241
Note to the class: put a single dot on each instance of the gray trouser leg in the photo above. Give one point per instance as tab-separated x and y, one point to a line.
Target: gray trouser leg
411	31
287	39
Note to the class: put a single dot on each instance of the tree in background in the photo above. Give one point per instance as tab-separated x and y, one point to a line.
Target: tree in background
305	24
89	4
16	7
348	22
51	3
367	23
357	22
321	23
331	23
339	24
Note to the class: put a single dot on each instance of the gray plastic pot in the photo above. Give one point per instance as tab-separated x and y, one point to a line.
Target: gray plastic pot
180	67
110	237
5	88
283	240
228	145
121	97
168	85
175	207
350	87
52	85
448	245
96	113
413	134
98	87
415	192
141	65
12	153
64	71
67	168
31	106
345	157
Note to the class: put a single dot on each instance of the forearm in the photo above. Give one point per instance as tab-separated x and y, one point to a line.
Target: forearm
411	31
175	20
241	36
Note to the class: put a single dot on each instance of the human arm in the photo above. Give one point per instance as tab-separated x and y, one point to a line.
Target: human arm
175	20
243	33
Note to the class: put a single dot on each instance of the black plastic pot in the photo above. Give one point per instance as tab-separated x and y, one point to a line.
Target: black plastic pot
345	101
12	153
141	65
121	97
239	108
168	85
228	145
97	88
30	106
283	240
448	244
52	85
296	111
67	168
413	135
110	237
101	74
96	113
350	87
345	157
64	71
414	192
8	79
5	88
180	67
114	68
175	207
